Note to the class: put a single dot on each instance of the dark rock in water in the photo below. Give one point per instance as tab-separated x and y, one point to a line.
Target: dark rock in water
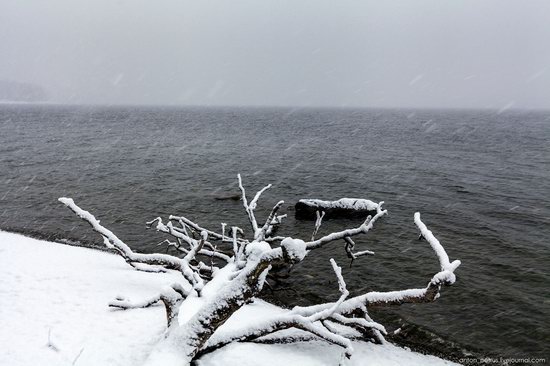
306	209
231	197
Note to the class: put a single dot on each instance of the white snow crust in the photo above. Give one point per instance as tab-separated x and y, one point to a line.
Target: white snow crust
53	311
295	248
345	203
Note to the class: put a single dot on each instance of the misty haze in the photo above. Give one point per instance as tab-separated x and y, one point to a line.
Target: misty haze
274	183
476	54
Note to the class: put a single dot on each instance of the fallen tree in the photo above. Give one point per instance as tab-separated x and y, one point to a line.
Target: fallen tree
221	272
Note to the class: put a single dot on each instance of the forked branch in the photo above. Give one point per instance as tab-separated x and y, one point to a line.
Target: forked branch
420	295
291	319
363	229
171	297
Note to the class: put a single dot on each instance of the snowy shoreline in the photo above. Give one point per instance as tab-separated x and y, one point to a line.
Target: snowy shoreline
53	308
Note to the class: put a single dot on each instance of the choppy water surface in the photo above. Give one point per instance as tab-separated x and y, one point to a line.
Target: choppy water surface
480	180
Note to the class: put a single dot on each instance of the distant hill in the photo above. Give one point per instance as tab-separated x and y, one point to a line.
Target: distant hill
13	91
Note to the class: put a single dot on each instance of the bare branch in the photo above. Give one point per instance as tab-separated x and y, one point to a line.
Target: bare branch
275	338
113	242
318	223
327	313
292	320
275	238
174	244
171	297
254	201
438	248
364	325
269	222
223	231
249	212
363	229
249	208
236	250
361	322
125	304
275	223
193	243
77	356
420	295
265	327
350	245
147	268
211	234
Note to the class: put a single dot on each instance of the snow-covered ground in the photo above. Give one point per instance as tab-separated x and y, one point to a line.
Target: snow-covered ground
53	311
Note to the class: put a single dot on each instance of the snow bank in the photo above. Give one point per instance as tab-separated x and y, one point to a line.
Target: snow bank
53	311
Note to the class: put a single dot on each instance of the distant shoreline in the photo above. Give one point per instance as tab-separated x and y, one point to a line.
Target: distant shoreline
491	110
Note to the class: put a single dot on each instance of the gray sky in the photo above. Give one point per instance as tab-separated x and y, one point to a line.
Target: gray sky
440	53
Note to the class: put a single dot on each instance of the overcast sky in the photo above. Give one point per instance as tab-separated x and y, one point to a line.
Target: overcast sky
420	53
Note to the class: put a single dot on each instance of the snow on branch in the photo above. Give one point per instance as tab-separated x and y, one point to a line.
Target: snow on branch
249	208
447	268
419	295
211	234
193	243
344	203
113	242
272	221
344	207
324	314
208	296
363	229
350	245
290	319
318	222
171	297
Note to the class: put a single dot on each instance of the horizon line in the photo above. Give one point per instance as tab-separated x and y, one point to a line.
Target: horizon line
274	106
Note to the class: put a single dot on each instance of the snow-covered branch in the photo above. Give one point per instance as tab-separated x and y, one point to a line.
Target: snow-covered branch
350	245
211	294
318	222
272	221
192	243
111	241
447	268
419	295
211	234
249	208
171	297
363	229
310	324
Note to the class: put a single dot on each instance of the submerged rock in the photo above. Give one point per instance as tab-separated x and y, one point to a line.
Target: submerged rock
344	208
228	197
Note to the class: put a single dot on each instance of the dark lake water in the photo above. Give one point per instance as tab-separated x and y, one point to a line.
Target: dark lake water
479	178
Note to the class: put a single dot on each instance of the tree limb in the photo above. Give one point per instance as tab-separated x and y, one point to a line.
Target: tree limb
419	295
363	229
113	242
290	320
318	223
171	297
